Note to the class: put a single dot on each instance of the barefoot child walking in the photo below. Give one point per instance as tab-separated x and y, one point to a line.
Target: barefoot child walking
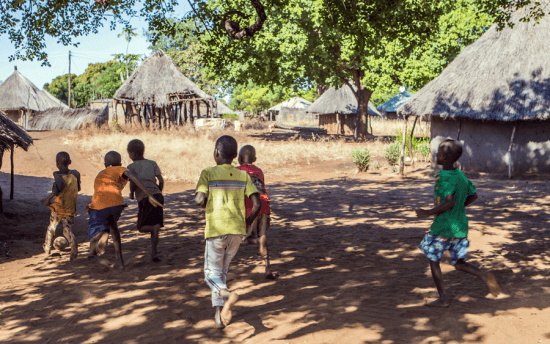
257	231
449	231
107	205
150	217
221	191
65	190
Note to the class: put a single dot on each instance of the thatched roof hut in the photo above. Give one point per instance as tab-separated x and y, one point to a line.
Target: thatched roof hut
495	97
19	96
292	103
157	92
69	119
389	108
222	109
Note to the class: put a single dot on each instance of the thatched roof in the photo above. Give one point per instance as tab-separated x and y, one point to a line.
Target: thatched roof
395	102
504	76
18	93
222	108
293	103
11	134
154	80
69	119
341	100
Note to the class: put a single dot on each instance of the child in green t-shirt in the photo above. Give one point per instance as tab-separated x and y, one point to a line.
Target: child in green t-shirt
449	231
221	190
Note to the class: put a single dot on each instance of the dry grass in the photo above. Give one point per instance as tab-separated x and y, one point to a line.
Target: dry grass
182	154
389	127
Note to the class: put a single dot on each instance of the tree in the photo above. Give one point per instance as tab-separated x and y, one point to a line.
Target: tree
364	46
59	87
252	97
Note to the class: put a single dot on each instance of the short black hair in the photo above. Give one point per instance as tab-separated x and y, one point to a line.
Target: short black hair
453	148
227	146
63	158
136	146
247	153
113	158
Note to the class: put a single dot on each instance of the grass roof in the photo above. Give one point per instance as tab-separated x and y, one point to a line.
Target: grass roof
11	134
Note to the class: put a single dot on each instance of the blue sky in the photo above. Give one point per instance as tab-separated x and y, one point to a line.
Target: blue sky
93	48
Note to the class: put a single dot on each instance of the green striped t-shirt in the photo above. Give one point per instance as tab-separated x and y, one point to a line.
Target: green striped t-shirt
226	187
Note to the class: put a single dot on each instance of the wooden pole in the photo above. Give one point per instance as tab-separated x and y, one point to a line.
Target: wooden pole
191	105
185	113
510	152
411	137
402	157
12	171
459	128
198	109
208	110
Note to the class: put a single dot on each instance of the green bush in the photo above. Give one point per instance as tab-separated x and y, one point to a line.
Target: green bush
115	126
361	158
424	150
231	116
393	152
416	141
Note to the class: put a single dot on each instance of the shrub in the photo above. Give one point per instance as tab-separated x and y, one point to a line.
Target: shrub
361	158
424	150
231	116
115	126
393	152
416	141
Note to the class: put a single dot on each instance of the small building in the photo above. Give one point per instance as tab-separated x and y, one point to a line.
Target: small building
336	111
69	119
389	108
19	98
495	98
158	95
222	109
295	103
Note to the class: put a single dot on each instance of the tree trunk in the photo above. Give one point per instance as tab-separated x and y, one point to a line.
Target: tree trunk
322	89
362	95
402	157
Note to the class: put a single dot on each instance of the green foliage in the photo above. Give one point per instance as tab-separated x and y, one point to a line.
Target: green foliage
231	116
83	94
393	152
361	158
116	126
59	87
424	149
253	97
416	141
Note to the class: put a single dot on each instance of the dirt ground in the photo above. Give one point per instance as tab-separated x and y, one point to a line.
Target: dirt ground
344	244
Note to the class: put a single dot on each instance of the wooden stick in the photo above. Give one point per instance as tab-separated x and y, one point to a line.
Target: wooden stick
191	105
510	152
12	171
198	109
411	137
402	157
459	128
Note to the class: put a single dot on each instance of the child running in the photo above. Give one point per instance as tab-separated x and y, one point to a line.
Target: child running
221	190
150	217
449	231
257	232
65	189
107	205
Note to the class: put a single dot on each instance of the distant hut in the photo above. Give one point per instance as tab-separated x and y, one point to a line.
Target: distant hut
389	108
157	94
222	109
11	135
69	119
495	98
292	104
19	98
336	111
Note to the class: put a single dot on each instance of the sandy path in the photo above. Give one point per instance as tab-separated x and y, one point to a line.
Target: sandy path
344	244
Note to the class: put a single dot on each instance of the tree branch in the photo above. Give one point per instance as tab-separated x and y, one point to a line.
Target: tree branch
233	29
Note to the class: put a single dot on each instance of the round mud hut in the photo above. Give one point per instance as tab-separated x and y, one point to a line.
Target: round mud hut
336	111
11	135
389	108
495	98
158	95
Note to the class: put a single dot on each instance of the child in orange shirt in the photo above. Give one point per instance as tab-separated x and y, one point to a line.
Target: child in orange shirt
107	205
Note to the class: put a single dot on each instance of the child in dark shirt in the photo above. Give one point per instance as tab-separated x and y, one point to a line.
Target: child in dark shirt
150	217
65	191
449	231
257	231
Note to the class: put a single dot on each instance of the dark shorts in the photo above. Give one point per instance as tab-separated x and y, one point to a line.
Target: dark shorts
148	214
433	246
103	220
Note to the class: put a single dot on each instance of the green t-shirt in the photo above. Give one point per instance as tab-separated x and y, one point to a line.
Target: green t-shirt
226	187
452	223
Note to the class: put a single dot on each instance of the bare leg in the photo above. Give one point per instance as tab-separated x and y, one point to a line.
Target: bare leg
154	243
103	240
438	279
50	233
218	317
119	263
68	233
146	229
230	300
487	277
264	252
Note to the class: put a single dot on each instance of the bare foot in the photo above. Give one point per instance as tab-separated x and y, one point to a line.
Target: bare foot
47	248
492	284
230	300
155	258
438	303
271	275
118	265
218	318
105	263
102	244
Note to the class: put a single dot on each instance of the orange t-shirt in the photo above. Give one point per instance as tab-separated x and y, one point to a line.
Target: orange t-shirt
65	202
108	187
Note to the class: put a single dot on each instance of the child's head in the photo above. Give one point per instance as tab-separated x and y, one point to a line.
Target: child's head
136	149
113	158
226	149
62	160
449	152
247	155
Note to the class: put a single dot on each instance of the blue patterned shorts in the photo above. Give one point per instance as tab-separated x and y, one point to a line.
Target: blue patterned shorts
433	246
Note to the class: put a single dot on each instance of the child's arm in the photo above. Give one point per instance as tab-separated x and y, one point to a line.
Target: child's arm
200	199
133	189
161	181
256	206
134	178
449	203
470	199
48	200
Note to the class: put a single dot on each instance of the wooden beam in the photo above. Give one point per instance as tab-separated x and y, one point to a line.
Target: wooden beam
184	113
411	137
191	105
12	171
402	157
